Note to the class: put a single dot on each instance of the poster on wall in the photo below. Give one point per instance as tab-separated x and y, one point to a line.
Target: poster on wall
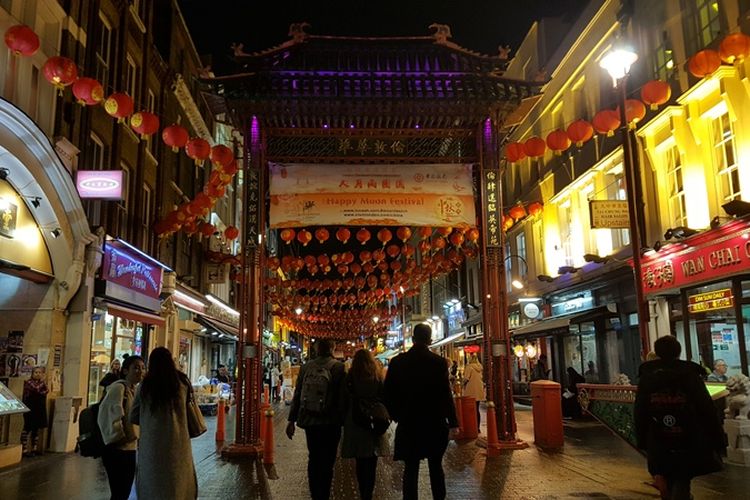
15	341
28	363
57	358
12	365
388	195
42	356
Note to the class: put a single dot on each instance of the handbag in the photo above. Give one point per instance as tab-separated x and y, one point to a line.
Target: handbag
195	422
370	414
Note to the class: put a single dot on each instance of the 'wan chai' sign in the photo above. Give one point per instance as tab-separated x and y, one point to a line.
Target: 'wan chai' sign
99	184
124	267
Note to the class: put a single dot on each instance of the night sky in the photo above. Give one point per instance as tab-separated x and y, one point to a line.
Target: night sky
480	25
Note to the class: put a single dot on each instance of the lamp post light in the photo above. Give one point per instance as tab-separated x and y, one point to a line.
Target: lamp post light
617	63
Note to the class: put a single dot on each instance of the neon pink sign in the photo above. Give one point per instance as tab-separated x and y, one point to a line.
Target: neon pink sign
124	267
99	184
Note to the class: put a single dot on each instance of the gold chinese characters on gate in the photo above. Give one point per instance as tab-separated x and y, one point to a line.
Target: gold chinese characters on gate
376	147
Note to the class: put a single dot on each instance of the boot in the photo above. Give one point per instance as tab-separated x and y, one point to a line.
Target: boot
26	444
35	445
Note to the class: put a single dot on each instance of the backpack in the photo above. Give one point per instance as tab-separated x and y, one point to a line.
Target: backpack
90	441
314	395
672	411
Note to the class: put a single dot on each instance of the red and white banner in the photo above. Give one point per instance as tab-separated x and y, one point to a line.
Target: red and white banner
379	195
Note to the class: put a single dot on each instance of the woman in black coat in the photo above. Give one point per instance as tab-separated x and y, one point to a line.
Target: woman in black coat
675	421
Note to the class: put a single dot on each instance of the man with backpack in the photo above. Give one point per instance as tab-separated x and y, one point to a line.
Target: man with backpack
316	408
675	421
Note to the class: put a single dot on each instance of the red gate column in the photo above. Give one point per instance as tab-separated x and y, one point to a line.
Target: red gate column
495	307
249	346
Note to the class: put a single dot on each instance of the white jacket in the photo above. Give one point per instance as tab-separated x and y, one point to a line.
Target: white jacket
473	383
113	416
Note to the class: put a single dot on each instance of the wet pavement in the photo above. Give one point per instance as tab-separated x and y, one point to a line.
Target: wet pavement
593	464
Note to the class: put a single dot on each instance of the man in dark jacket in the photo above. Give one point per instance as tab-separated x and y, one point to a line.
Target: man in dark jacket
675	421
418	397
316	408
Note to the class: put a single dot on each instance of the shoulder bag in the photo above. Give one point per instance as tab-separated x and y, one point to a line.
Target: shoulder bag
195	422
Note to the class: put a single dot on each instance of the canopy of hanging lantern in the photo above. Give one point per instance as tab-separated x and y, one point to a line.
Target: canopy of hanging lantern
332	279
655	93
704	62
558	141
580	131
734	48
119	105
21	40
87	91
60	72
606	122
144	123
514	152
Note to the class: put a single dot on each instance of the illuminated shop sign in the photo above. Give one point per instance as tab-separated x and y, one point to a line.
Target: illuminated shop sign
8	218
719	257
124	267
99	184
710	301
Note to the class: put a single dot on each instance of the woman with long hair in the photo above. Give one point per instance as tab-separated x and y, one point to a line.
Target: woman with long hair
474	383
117	429
165	456
362	388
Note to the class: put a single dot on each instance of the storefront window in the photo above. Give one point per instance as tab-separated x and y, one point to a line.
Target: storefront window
713	327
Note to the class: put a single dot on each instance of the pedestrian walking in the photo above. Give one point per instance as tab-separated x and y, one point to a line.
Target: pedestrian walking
118	433
474	382
316	408
35	420
675	421
165	456
275	383
112	375
362	399
418	397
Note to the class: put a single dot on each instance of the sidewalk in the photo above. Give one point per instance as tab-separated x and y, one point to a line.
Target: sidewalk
593	464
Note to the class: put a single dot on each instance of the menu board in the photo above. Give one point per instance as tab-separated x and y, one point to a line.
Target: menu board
9	403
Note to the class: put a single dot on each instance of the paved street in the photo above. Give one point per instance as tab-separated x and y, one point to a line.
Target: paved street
594	464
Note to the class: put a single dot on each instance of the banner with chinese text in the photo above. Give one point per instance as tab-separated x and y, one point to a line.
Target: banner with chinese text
386	195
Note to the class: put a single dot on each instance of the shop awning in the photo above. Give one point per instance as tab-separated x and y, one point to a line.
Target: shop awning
387	355
473	340
230	332
448	339
134	314
561	324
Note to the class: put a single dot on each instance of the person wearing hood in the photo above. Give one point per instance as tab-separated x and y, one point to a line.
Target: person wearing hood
473	382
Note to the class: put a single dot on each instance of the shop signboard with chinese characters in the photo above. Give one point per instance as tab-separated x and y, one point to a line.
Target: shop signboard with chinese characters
491	208
712	258
609	214
416	195
126	268
711	301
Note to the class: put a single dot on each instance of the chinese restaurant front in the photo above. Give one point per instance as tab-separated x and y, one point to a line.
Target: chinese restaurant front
702	283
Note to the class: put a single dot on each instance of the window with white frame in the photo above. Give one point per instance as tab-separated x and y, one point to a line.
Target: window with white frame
703	23
565	219
104	51
124	204
98	157
508	265
675	185
145	214
523	268
616	190
663	62
537	236
725	158
131	78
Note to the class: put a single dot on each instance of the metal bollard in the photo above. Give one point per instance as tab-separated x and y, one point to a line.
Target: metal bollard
493	445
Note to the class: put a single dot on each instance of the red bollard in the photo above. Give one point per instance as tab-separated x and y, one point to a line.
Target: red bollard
493	445
469	410
459	417
264	407
268	443
220	422
266	394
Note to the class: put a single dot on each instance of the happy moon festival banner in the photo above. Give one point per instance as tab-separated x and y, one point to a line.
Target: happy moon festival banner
379	195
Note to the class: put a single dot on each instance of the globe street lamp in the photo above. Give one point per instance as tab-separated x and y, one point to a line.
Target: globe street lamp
618	62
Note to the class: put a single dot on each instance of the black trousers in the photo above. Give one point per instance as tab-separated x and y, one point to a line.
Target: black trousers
120	466
678	488
366	471
479	418
322	445
437	478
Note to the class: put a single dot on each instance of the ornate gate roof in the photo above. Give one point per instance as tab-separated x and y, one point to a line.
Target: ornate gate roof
314	81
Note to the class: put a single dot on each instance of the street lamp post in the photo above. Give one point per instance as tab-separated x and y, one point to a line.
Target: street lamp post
617	63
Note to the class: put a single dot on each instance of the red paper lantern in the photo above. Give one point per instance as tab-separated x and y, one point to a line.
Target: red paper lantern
473	235
517	212
60	71
535	208
507	222
514	152
198	150
231	169
343	235
321	234
363	236
734	48
304	236
231	233
119	105
175	137
403	233
580	131
385	235
144	123
22	40
88	91
558	141
606	122
704	63
393	251
655	93
457	239
207	229
635	111
534	147
190	227
287	235
425	232
221	155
